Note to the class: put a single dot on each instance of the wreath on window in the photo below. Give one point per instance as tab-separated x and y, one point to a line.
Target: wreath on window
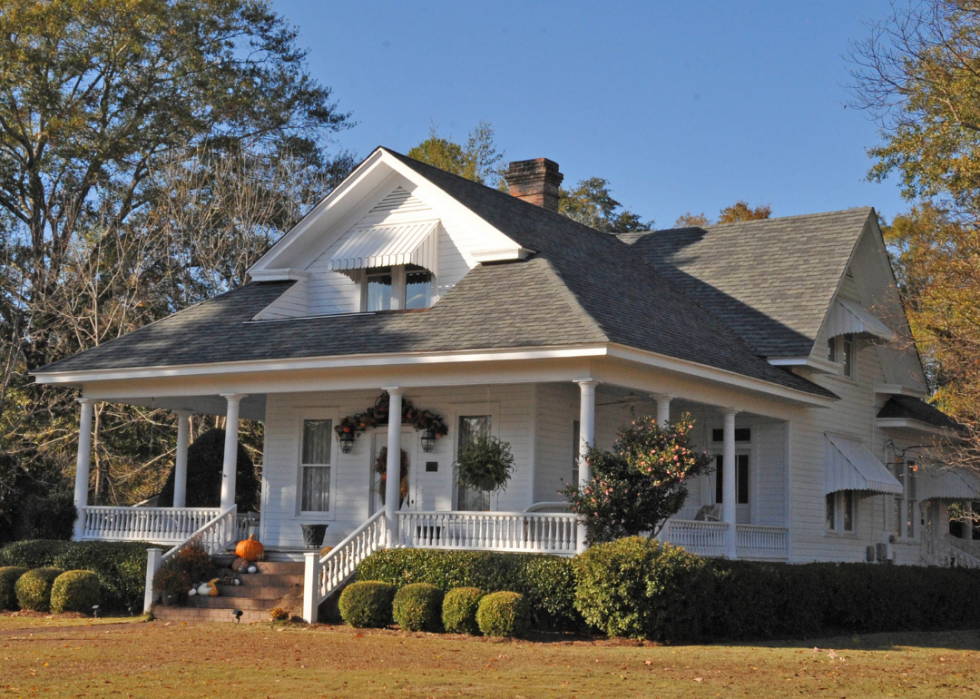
486	464
377	414
381	466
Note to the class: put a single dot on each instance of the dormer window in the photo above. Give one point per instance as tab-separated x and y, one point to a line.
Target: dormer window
396	288
840	350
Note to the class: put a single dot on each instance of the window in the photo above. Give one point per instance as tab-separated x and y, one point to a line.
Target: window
379	289
471	427
742	434
906	505
315	465
395	288
840	512
418	287
840	350
576	445
741	478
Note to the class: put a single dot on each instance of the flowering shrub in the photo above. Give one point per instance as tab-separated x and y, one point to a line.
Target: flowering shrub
642	482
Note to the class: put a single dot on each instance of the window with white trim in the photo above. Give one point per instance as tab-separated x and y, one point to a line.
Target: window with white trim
841	513
396	288
316	451
906	504
840	350
471	428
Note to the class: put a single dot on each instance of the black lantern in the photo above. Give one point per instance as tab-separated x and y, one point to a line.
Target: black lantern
347	442
428	441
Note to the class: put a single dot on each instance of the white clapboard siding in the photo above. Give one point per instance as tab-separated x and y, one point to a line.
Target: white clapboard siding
292	304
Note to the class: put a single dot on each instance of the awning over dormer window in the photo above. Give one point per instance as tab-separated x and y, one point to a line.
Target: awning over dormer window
384	245
848	465
847	317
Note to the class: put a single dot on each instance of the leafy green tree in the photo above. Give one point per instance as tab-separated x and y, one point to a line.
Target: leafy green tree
478	160
592	203
642	482
741	211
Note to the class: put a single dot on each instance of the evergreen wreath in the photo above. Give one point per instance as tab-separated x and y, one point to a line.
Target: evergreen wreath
377	414
485	463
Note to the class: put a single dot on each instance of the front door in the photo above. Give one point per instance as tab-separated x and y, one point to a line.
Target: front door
411	491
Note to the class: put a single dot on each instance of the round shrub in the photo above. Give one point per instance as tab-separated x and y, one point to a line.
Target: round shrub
76	591
367	604
503	614
34	589
639	588
8	578
418	607
459	610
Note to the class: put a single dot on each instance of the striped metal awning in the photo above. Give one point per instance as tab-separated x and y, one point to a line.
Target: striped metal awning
383	245
848	465
847	317
946	484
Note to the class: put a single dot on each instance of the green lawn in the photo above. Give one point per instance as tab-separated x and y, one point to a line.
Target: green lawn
208	660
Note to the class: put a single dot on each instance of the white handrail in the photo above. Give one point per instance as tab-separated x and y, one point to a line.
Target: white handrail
214	536
159	525
324	575
761	541
538	532
706	538
941	553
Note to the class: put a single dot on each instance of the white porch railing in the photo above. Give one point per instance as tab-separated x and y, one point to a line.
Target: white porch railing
937	551
708	539
758	541
214	535
538	532
158	525
326	574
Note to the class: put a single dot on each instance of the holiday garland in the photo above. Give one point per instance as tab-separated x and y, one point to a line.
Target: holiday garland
423	420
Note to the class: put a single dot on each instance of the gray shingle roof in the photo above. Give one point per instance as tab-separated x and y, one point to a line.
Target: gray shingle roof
581	286
772	281
914	409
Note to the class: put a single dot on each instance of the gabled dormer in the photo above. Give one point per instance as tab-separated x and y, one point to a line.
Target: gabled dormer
385	240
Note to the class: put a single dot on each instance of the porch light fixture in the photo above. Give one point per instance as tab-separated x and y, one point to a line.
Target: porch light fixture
347	442
428	441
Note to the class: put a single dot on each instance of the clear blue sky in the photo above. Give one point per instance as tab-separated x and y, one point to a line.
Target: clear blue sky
682	106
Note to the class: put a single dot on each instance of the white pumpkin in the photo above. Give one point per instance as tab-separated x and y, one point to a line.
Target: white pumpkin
191	592
203	589
253	569
237	581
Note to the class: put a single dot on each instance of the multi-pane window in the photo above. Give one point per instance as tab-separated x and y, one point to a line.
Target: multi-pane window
315	465
398	287
741	479
840	350
906	504
576	447
379	289
418	287
840	514
471	428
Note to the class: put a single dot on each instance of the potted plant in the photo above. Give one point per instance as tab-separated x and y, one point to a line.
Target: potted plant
171	581
485	463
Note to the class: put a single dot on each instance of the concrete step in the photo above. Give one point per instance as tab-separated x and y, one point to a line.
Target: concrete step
220	602
177	614
271	592
270	580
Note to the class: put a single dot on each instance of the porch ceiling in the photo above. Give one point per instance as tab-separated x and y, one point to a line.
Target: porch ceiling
252	406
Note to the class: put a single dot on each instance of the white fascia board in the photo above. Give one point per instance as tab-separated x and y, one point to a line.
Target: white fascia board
279	275
720	375
343	361
824	366
896	389
904	423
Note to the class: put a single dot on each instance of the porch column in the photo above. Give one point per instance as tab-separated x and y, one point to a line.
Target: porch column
229	467
180	462
393	477
663	410
586	440
728	485
82	463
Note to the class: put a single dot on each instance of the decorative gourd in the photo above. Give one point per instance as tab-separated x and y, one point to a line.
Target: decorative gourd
192	592
253	569
213	588
203	589
250	549
239	565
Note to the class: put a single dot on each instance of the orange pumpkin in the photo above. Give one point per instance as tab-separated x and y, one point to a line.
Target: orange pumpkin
250	549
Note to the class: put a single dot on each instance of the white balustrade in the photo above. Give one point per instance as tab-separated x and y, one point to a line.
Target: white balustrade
326	574
159	525
708	539
757	541
537	532
942	553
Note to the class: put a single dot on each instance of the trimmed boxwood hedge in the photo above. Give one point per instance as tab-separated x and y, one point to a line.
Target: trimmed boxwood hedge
503	614
418	607
459	610
367	604
120	565
33	589
8	578
76	591
638	588
548	582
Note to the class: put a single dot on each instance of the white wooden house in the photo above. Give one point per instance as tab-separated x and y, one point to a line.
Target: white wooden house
784	339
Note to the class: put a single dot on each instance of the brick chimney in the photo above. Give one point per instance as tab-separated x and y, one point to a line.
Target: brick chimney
535	181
